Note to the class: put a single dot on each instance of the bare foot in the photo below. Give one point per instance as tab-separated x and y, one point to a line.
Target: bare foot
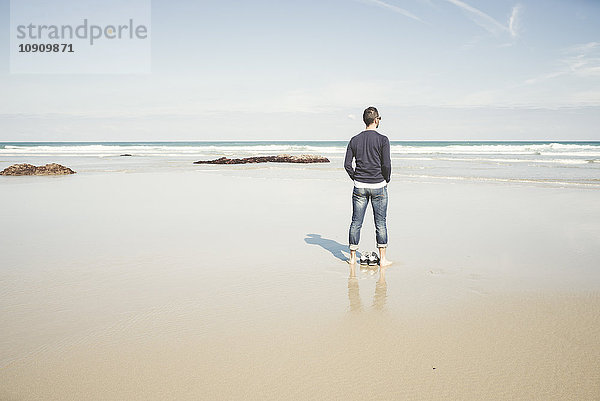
385	262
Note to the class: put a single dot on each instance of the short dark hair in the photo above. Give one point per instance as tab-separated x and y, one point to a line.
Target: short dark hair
370	114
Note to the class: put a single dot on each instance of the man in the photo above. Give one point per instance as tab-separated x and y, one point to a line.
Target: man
371	176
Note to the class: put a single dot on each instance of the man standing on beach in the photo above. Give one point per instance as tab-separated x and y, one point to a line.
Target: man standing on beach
371	176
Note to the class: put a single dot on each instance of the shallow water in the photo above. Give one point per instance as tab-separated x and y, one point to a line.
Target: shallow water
534	163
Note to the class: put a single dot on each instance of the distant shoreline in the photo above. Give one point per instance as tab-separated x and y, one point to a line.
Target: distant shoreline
328	141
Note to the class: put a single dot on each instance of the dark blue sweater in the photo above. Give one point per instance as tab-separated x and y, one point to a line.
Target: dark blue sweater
372	153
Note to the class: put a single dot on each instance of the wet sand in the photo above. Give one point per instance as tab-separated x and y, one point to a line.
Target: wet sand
213	285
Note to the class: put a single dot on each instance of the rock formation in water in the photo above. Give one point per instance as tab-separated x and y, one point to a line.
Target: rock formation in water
30	169
263	159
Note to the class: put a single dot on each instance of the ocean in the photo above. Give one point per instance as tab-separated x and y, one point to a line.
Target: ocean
532	162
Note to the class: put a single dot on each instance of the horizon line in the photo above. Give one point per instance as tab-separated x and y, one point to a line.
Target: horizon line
304	140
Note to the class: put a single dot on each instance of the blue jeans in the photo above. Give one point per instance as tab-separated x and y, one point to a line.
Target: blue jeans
360	200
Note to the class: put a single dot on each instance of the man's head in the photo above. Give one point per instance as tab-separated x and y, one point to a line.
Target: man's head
371	117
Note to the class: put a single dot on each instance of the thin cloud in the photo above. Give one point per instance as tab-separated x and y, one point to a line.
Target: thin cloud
584	59
394	8
544	77
513	21
489	23
584	47
581	60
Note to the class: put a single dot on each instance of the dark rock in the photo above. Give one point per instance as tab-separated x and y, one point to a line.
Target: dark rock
126	154
300	159
263	159
30	169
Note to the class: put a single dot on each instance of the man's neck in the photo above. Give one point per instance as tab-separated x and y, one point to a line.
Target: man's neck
371	127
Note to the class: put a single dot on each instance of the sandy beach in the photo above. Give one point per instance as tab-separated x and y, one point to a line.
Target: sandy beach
176	196
232	283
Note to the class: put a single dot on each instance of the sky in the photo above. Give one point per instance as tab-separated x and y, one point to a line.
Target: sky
305	70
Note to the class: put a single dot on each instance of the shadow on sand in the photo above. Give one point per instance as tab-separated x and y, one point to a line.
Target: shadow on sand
328	244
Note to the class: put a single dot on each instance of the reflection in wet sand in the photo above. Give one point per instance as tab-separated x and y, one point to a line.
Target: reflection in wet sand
380	292
353	295
379	298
